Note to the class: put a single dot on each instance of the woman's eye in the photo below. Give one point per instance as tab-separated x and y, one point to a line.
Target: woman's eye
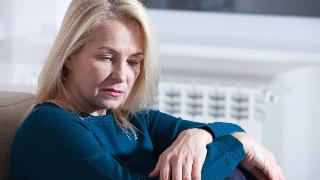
133	62
107	59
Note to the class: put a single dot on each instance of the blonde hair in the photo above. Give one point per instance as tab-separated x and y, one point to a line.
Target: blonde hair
81	17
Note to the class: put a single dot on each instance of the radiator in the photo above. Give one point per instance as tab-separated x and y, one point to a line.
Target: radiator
209	102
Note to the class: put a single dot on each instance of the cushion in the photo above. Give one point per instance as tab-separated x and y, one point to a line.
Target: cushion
13	108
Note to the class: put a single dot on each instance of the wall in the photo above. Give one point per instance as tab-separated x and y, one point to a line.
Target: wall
29	30
299	121
5	43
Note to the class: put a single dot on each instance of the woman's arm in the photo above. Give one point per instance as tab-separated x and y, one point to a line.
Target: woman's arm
54	145
164	129
185	156
182	145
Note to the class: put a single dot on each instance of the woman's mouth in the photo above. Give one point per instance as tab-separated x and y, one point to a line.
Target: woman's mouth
113	92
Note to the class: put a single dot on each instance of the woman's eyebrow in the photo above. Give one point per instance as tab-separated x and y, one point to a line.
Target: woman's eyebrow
116	52
108	48
138	54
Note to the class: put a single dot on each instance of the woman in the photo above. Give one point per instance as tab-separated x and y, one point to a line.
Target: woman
91	118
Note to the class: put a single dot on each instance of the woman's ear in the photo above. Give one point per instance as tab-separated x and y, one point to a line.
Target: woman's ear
68	63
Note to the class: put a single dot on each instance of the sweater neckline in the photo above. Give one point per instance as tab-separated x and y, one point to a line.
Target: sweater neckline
81	115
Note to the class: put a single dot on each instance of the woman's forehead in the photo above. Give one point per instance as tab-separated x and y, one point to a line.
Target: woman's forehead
118	34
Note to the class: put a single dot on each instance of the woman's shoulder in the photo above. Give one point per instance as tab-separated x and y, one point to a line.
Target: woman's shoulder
48	109
47	106
48	113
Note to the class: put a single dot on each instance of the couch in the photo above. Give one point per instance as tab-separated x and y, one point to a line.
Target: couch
13	108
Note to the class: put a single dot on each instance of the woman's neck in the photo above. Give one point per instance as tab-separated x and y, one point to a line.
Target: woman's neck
69	102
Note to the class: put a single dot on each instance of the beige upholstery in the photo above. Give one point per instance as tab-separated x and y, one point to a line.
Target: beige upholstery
13	108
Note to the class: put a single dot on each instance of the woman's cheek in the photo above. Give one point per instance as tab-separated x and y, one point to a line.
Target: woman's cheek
103	72
135	76
137	71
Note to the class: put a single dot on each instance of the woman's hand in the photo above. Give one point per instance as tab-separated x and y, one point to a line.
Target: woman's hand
258	160
185	157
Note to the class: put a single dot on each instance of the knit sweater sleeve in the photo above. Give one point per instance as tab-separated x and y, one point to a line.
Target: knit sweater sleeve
58	145
224	153
164	128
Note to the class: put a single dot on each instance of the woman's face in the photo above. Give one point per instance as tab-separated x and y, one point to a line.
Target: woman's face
102	73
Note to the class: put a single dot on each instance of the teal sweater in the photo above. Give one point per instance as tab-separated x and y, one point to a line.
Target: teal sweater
53	143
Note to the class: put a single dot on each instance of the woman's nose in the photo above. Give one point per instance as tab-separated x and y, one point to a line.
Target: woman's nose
119	72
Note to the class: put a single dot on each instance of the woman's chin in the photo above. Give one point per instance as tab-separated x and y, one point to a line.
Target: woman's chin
110	104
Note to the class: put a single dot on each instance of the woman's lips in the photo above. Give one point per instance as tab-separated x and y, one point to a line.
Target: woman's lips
113	92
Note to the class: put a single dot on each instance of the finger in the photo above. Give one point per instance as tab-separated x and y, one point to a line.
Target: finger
279	174
186	170
277	171
275	174
268	170
282	177
165	170
156	170
272	174
196	168
176	168
272	167
258	173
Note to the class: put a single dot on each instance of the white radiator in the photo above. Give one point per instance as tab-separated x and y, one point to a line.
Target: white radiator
243	105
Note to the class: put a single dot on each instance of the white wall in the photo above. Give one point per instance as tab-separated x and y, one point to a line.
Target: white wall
292	127
300	123
32	30
29	30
